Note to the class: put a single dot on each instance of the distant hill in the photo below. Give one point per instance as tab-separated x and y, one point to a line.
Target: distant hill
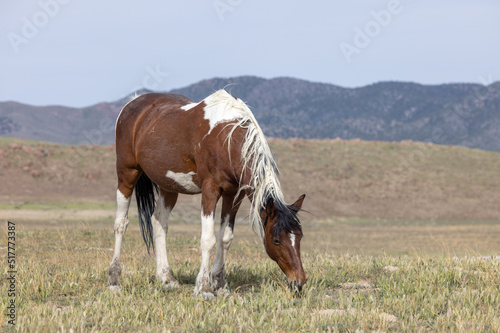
456	114
354	178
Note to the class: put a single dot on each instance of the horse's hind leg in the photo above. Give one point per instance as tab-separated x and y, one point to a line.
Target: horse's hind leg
165	204
209	197
225	238
126	183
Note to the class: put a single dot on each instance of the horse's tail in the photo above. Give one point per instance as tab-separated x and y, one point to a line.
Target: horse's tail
145	194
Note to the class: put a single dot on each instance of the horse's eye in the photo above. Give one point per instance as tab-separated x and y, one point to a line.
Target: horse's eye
276	242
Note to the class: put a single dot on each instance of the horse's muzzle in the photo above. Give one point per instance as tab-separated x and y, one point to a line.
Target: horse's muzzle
296	286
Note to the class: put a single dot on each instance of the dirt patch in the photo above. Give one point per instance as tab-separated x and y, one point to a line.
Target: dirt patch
391	269
338	312
362	286
356	285
54	215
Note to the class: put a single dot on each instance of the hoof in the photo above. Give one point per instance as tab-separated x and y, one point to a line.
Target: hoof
223	291
207	295
116	289
170	285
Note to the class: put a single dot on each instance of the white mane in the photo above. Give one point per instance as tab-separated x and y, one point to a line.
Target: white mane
256	155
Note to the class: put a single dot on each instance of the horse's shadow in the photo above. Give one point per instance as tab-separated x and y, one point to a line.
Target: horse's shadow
238	279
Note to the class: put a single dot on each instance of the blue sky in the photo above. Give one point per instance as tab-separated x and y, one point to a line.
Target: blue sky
77	53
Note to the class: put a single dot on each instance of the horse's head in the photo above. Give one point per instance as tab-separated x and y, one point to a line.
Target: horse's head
282	239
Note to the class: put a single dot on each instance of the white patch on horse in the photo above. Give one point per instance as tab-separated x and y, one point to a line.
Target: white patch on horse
121	220
121	223
185	180
292	240
189	106
206	245
159	221
207	232
221	107
224	240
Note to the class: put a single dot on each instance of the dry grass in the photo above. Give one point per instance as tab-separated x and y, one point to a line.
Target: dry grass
438	286
411	264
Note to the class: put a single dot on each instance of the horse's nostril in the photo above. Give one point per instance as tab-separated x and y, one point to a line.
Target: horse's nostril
295	286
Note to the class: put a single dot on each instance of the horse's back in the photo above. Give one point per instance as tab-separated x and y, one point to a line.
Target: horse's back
150	103
143	119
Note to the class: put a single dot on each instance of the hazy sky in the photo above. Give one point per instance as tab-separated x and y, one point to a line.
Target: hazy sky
77	53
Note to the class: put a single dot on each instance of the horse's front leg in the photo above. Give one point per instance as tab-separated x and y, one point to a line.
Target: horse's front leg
230	207
210	195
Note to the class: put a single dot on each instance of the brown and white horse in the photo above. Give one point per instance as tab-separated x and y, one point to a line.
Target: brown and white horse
168	144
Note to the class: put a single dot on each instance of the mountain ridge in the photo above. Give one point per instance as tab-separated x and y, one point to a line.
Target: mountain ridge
465	114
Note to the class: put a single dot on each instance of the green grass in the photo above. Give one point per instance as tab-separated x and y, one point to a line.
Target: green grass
62	278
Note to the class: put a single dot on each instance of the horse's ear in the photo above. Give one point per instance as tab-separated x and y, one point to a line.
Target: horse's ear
270	211
297	205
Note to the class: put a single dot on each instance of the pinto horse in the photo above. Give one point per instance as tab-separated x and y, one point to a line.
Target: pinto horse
167	144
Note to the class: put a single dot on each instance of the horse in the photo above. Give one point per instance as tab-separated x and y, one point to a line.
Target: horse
166	145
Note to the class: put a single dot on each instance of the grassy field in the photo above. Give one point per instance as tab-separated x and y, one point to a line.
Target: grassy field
363	275
396	241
